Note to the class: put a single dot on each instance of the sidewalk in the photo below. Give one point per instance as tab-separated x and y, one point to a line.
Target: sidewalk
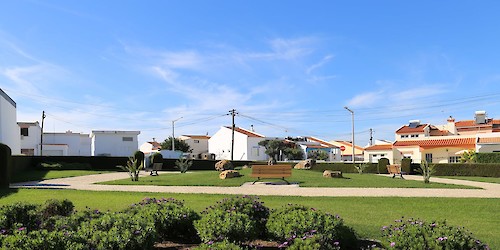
489	190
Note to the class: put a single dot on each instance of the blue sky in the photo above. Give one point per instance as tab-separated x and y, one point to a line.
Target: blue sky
287	67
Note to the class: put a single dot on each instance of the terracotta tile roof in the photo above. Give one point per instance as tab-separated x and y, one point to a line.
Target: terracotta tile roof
436	143
325	143
489	140
246	132
379	147
316	146
346	143
471	123
203	137
406	129
155	145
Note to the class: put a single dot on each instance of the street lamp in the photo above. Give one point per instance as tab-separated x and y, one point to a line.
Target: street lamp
353	156
173	135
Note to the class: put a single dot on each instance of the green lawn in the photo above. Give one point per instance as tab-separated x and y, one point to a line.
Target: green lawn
365	214
475	178
303	177
38	175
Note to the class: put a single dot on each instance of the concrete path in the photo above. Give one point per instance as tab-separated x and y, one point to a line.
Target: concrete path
489	190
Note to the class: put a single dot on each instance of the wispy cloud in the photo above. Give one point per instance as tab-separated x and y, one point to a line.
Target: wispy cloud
323	61
366	99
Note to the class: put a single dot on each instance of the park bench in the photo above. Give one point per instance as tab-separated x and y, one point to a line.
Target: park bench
395	170
271	172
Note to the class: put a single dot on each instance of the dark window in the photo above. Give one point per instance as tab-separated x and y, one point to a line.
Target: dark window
428	158
127	138
24	131
196	141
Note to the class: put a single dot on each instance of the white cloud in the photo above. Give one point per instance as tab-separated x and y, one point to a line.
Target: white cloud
323	61
366	99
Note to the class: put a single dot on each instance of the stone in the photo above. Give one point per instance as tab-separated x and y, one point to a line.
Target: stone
226	174
223	165
305	164
332	174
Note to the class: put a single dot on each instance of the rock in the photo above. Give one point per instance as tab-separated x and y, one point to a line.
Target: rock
332	174
229	174
305	164
223	165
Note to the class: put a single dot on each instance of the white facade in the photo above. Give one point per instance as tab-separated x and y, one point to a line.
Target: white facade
76	144
150	147
197	143
246	145
114	143
9	131
30	137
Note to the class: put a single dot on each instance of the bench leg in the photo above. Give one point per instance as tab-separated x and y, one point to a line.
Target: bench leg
258	178
394	175
285	181
402	176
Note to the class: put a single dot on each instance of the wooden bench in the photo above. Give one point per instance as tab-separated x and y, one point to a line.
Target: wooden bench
271	172
395	170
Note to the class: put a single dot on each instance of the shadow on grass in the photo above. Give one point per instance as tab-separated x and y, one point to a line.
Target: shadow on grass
29	175
4	192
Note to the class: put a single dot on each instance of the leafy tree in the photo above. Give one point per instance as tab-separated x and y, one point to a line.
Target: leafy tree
317	155
469	156
294	153
179	145
273	147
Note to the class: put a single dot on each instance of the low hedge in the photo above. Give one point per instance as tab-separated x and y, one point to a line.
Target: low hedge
488	157
467	169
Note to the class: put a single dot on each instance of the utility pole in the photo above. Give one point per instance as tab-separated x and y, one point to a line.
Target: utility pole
353	153
173	135
41	134
233	113
371	137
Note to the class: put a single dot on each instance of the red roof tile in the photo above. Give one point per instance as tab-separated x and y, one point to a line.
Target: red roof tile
406	129
438	143
322	142
379	147
489	140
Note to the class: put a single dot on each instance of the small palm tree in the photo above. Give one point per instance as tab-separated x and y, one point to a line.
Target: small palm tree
426	170
133	168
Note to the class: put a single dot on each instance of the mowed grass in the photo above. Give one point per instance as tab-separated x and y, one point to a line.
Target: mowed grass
475	178
38	175
304	178
365	214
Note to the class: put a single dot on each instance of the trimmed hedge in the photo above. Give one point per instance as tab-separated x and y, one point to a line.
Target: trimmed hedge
488	157
467	169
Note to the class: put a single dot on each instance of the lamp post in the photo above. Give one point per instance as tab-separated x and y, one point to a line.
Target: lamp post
173	135
353	155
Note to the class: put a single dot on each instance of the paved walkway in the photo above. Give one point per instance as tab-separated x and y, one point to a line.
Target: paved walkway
489	190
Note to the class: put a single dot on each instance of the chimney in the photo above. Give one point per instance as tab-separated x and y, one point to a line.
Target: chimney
451	125
480	117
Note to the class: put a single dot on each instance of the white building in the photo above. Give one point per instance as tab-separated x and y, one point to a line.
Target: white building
68	143
150	147
246	145
197	143
9	131
114	143
30	137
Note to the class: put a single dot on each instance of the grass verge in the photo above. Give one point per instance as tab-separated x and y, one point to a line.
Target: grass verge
303	177
38	175
475	178
365	214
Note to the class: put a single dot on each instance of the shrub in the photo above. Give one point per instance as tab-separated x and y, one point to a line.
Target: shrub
249	205
382	165
297	221
133	168
43	240
219	225
223	245
427	170
5	165
361	167
19	215
488	157
183	164
118	231
469	169
172	220
139	157
418	234
55	207
71	222
157	158
406	165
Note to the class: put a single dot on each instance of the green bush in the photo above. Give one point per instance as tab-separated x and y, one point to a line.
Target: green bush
418	234
382	166
5	165
467	169
172	220
249	205
223	245
42	240
71	222
55	207
406	165
20	215
219	225
488	157
297	221
139	157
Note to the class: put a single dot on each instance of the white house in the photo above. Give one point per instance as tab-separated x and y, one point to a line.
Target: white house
197	143
150	147
9	131
30	137
114	143
246	145
68	143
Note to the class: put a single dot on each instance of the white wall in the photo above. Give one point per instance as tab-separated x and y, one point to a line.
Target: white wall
9	131
220	144
78	144
111	143
197	145
256	152
32	141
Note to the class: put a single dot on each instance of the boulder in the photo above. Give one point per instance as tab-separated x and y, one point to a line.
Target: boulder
332	174
229	174
223	165
305	164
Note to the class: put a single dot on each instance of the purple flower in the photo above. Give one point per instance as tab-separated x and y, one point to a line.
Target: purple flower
22	228
393	244
440	238
210	242
336	243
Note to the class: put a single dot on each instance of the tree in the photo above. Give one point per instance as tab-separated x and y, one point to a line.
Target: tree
317	155
468	156
179	145
273	147
294	153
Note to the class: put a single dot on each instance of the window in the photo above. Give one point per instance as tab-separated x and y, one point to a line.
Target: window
404	136
428	158
196	141
382	155
375	155
454	159
24	131
128	138
255	151
413	136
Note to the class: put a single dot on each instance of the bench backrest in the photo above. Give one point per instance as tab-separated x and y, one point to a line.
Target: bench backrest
394	169
277	171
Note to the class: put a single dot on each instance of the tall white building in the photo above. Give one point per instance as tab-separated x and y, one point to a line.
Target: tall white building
30	137
9	131
113	143
246	145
